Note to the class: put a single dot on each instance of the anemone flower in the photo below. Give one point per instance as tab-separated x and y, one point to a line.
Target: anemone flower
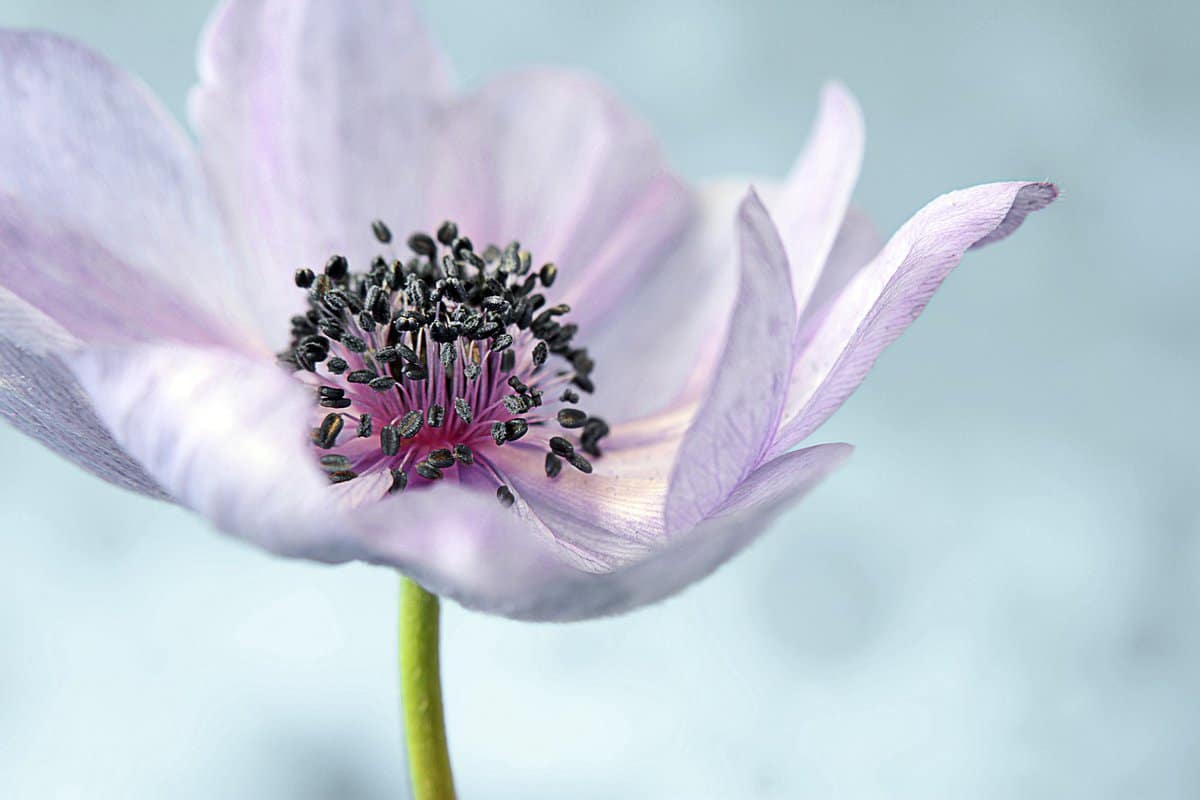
567	386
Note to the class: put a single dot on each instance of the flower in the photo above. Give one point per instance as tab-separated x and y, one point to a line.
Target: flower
146	288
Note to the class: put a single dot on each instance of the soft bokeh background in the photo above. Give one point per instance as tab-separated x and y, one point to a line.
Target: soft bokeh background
996	599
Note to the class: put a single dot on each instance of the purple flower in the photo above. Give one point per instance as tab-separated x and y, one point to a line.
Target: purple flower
634	405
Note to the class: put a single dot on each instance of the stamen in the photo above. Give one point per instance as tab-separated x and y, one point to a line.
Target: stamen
428	471
411	337
441	458
381	231
571	418
463	409
437	413
505	496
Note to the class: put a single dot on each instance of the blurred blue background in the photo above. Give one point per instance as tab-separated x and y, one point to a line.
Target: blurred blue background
997	598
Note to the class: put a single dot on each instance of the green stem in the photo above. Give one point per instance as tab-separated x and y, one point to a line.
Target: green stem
421	692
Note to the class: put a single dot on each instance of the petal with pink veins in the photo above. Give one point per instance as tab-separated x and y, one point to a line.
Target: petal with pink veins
888	294
812	202
41	398
737	417
106	223
314	119
554	160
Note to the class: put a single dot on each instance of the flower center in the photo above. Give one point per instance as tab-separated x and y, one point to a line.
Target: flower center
422	366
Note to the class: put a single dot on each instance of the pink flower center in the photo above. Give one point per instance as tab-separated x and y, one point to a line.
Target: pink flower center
423	366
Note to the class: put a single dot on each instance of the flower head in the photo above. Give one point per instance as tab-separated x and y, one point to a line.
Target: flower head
567	385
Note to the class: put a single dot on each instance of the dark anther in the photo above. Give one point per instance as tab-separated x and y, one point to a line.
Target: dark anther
337	267
571	418
327	432
461	246
441	458
422	245
428	471
410	424
406	322
447	233
460	305
463	409
342	477
381	231
334	463
505	496
399	481
515	428
516	403
382	383
437	413
389	440
595	430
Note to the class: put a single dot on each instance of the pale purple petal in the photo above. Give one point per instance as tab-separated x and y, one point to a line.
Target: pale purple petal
227	437
613	516
106	224
694	554
554	160
314	119
41	398
813	199
259	482
887	295
857	243
649	359
737	417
